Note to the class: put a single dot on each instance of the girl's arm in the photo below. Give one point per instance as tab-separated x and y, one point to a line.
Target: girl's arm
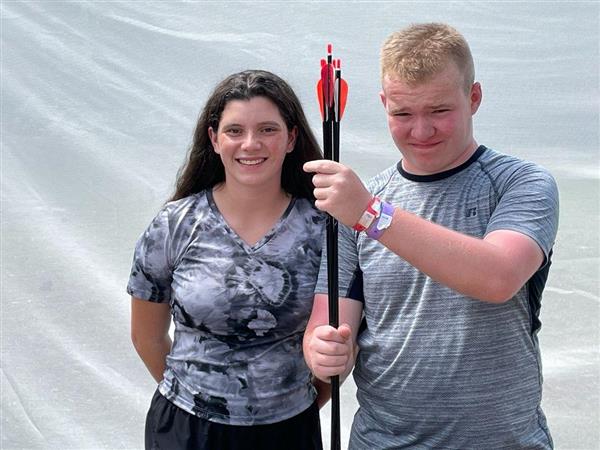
150	323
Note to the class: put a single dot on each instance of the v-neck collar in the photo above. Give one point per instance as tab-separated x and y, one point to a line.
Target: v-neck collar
236	237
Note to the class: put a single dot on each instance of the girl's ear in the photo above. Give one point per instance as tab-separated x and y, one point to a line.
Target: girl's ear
292	135
213	139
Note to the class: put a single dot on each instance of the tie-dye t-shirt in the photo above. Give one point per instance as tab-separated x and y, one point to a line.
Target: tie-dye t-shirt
239	311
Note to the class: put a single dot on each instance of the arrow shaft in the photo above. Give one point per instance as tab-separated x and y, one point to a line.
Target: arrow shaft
332	101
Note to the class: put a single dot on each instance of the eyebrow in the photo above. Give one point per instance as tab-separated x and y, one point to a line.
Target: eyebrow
406	109
270	123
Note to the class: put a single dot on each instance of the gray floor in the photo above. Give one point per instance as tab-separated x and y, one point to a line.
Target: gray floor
97	109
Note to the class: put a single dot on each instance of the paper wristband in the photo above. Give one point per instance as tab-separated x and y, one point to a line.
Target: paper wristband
383	221
369	215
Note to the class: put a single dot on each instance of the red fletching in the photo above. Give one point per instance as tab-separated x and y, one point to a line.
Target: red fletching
332	89
320	98
342	98
327	80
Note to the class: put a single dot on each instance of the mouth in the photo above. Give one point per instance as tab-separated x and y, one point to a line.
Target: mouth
251	161
424	146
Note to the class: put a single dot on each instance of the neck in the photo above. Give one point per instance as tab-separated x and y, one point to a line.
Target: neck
249	202
471	148
250	212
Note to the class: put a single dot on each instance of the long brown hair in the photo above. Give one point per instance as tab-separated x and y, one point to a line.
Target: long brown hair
203	168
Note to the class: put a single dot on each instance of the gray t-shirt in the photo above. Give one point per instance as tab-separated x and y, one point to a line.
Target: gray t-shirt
239	311
437	369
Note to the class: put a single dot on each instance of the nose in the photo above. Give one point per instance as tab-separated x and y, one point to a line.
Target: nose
423	129
251	142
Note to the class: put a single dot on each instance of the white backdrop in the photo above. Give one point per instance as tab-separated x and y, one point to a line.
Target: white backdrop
98	104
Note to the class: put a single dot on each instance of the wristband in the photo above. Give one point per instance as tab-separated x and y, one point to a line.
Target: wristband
383	221
369	215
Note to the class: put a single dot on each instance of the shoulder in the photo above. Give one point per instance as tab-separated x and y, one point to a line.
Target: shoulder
506	171
500	164
175	214
191	206
181	206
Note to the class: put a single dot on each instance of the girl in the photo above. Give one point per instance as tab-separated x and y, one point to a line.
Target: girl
233	258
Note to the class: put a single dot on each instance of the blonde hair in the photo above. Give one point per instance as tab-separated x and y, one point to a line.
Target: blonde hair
421	51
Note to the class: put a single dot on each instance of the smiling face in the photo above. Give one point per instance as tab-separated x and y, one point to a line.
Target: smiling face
431	122
252	140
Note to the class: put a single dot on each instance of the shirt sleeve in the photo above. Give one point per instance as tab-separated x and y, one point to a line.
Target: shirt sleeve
528	204
151	271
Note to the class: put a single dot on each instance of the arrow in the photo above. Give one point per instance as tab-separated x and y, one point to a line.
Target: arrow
340	91
332	92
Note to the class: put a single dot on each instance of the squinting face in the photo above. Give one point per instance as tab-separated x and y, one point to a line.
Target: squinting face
431	122
252	141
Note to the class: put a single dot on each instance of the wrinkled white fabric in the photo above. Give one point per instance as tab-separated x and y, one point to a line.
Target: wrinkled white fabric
98	104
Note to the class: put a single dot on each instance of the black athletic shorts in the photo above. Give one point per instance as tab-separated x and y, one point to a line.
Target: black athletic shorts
169	427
